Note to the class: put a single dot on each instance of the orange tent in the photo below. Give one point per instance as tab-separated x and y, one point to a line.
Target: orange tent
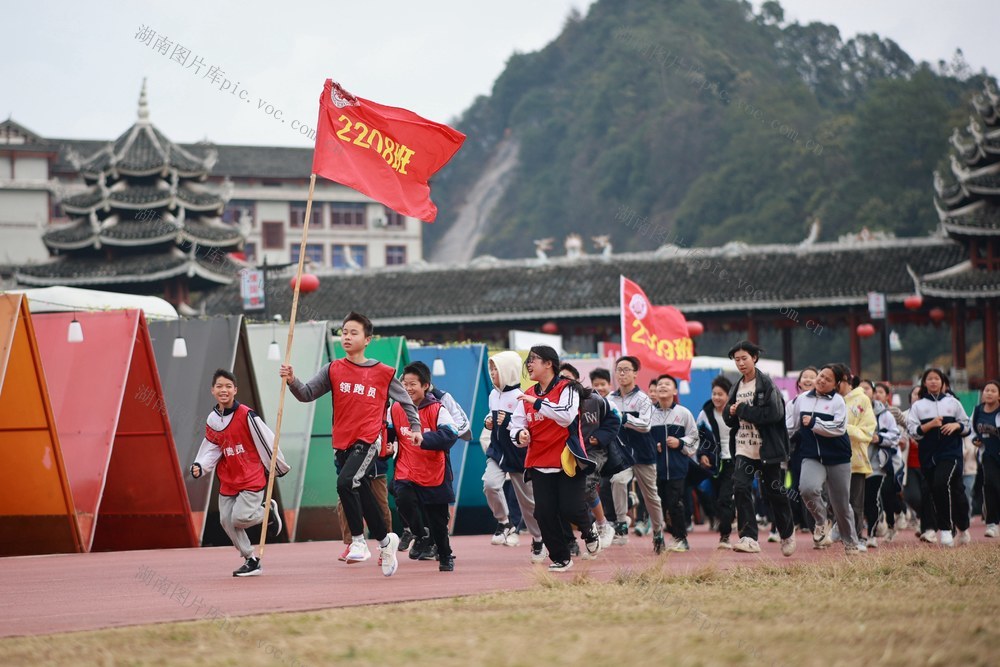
113	427
37	515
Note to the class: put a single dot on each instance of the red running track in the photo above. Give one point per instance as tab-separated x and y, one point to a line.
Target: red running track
72	592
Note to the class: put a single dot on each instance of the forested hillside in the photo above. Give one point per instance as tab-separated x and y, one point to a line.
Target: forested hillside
715	123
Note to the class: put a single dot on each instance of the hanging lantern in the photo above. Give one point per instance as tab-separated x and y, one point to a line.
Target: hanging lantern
308	283
866	330
913	302
695	328
75	332
937	315
550	327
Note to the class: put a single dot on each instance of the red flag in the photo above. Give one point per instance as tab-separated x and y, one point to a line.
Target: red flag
387	153
656	335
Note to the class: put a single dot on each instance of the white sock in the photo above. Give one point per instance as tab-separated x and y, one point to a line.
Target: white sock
357	539
384	542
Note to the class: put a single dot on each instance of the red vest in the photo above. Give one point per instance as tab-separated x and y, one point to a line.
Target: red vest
423	467
548	439
240	468
360	397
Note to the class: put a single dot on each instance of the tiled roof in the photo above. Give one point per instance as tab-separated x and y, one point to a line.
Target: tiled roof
142	149
135	232
99	271
724	279
213	234
983	184
985	220
969	283
141	196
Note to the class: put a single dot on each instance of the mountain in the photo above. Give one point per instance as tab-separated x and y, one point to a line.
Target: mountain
706	121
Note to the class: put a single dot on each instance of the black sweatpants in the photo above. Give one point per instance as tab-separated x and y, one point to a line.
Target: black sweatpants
917	494
724	498
991	489
873	501
558	498
772	485
357	467
858	503
671	492
950	501
414	510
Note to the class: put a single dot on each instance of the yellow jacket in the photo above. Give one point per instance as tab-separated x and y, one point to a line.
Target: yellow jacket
861	425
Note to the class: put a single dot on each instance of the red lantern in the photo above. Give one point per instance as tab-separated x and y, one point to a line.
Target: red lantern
550	327
913	302
937	315
308	283
695	328
866	330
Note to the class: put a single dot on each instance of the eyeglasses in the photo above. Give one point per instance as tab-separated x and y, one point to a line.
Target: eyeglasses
624	370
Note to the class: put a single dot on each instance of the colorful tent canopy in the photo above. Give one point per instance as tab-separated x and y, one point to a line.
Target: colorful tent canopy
220	342
37	515
114	432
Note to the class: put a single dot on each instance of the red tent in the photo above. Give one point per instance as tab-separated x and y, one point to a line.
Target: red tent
115	435
37	515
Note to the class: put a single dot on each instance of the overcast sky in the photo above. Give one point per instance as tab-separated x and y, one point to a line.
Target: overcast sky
76	74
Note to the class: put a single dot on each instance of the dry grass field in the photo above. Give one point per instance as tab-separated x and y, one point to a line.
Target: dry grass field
919	606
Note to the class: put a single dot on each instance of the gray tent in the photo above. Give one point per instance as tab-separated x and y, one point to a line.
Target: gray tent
219	342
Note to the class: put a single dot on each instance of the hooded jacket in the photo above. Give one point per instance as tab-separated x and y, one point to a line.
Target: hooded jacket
767	411
934	446
861	428
503	402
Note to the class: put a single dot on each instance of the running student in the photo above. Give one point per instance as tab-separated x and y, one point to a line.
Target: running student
755	410
360	389
636	410
546	421
938	421
423	480
238	446
818	421
883	450
676	435
986	430
714	432
861	429
505	459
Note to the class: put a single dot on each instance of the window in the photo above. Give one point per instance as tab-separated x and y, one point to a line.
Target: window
393	220
298	214
272	235
235	209
395	255
250	251
339	255
343	214
314	253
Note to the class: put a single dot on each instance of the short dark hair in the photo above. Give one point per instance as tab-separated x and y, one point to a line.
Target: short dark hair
754	350
365	323
722	382
631	360
223	373
667	376
570	368
600	374
419	369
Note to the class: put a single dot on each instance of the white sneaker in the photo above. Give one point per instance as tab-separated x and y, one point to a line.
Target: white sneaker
945	538
358	552
747	545
591	549
561	566
929	536
902	521
881	528
991	530
872	543
890	535
606	534
964	537
538	551
821	536
788	546
724	544
862	547
497	538
835	533
510	536
387	555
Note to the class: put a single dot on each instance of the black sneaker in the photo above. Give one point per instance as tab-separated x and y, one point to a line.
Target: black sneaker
447	564
498	536
274	520
406	539
574	548
538	551
251	568
658	544
430	554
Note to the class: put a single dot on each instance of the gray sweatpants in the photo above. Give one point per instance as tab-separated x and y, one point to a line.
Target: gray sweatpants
493	479
645	475
838	484
237	513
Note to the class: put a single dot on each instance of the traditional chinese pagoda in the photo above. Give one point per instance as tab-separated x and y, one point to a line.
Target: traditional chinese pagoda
144	225
969	209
